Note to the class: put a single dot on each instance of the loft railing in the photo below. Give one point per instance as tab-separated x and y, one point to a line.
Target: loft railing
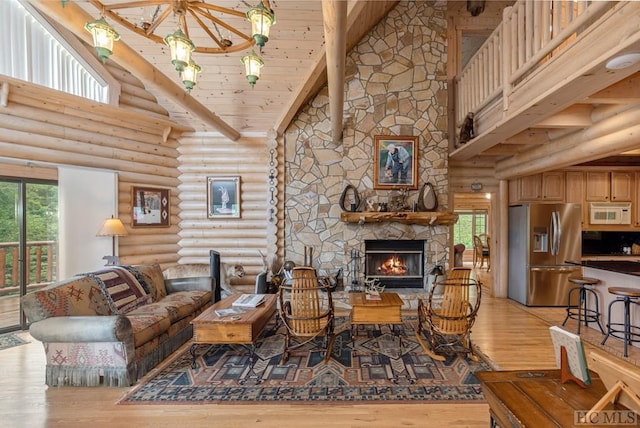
531	32
41	258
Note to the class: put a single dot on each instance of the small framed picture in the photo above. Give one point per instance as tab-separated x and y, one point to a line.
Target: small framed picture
395	162
223	197
150	207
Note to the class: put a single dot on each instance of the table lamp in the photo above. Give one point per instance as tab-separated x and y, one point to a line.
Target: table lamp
112	227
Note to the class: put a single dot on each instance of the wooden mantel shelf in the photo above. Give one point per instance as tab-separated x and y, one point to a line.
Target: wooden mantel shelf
433	218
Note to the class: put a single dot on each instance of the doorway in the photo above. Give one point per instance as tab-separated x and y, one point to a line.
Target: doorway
474	212
28	243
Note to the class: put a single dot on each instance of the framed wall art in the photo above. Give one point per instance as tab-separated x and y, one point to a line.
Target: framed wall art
150	207
395	162
223	197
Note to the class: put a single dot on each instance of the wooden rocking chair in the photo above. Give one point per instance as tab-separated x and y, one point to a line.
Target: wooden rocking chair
446	317
305	312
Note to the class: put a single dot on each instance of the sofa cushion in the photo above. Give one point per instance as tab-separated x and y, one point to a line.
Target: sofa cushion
151	279
148	326
198	298
173	309
122	289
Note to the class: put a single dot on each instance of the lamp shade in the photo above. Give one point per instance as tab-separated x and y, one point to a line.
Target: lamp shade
252	65
181	47
189	75
261	21
103	37
112	227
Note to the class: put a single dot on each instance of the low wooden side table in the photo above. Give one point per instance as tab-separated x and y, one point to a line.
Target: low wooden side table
538	398
243	329
387	310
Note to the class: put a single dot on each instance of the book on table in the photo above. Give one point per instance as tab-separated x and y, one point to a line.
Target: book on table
248	300
229	311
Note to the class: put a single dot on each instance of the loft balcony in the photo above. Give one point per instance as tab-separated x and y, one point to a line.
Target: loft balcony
541	92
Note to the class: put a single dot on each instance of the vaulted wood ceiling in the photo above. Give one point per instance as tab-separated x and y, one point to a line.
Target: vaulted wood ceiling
295	62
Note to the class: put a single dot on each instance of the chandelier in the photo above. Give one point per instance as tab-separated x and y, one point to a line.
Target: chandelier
201	27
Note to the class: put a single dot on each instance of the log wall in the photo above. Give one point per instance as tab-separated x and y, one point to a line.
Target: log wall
243	240
41	126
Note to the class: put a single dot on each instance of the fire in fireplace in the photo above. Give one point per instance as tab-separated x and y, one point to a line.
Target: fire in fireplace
395	263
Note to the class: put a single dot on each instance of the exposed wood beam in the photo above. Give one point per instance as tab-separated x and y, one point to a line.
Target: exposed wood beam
74	18
334	13
611	136
625	91
363	15
576	116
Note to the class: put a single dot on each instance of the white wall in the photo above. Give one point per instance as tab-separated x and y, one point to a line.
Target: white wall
86	198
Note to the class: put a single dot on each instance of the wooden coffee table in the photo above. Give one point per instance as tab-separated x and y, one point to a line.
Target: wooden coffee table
243	329
387	310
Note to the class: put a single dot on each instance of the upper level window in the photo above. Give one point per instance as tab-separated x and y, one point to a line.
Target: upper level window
32	50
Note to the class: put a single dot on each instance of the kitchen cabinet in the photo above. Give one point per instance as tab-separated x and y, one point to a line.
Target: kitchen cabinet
574	191
548	186
604	186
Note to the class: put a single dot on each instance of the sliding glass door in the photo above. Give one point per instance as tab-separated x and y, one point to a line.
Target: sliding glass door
28	243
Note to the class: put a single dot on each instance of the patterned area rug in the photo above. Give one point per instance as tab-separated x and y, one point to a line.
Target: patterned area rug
374	368
10	340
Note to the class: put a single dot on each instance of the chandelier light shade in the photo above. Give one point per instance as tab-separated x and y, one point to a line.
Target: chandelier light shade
103	37
189	75
181	47
252	65
261	21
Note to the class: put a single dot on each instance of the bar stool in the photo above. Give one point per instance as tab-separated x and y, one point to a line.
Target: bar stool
631	332
581	311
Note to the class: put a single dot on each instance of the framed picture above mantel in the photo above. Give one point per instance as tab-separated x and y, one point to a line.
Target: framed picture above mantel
395	162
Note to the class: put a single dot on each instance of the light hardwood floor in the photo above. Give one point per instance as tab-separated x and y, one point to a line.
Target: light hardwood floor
512	336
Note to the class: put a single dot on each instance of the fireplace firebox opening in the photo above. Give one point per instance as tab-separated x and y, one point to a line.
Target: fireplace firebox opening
395	263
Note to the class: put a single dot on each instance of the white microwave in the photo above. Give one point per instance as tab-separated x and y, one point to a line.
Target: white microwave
610	213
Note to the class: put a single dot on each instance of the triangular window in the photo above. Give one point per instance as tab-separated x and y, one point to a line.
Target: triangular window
34	51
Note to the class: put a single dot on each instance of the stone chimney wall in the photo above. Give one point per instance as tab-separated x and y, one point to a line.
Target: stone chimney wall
396	85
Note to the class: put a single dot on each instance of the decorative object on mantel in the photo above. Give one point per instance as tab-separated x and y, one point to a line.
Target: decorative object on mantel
406	217
352	194
398	202
467	131
427	199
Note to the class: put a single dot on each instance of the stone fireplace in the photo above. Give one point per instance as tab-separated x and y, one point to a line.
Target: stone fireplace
396	84
395	263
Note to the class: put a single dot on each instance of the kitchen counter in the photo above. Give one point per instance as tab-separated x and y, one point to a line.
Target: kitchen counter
626	267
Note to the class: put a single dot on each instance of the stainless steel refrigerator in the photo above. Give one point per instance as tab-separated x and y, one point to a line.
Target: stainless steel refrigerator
542	239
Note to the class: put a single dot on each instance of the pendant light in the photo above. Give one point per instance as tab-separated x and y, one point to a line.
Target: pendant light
103	37
189	75
181	47
261	21
252	65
